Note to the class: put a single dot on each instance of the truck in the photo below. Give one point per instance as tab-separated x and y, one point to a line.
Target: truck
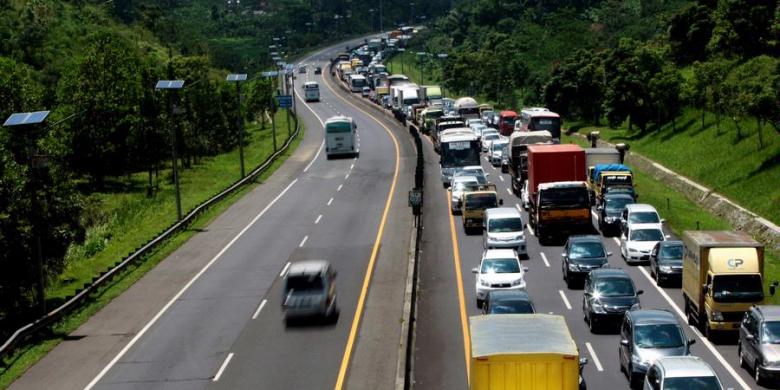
467	108
431	94
426	122
595	156
518	154
605	177
474	203
722	276
523	352
506	122
558	198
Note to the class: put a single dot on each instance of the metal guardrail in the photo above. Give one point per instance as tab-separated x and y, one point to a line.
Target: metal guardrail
82	295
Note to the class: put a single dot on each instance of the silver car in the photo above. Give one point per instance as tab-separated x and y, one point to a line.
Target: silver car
759	343
647	335
461	184
681	372
310	290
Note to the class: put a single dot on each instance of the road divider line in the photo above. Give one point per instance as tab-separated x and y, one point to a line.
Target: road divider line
346	176
330	201
186	287
284	270
565	300
501	178
704	341
594	356
303	242
339	189
509	191
319	217
352	166
544	259
345	360
259	309
223	367
617	241
461	296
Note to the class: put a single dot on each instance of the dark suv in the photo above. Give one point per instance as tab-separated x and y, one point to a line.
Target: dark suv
609	212
582	254
666	262
609	294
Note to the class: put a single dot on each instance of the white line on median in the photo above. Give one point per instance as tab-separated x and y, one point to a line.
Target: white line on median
595	358
167	306
319	217
223	367
259	308
565	300
303	242
544	258
330	201
284	270
339	189
704	341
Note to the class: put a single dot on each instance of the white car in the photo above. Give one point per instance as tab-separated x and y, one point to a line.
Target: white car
638	241
639	213
498	152
524	197
487	139
460	184
473	121
499	269
478	128
366	92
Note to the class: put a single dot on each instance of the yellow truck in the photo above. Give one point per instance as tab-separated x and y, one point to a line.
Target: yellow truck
523	352
723	275
475	203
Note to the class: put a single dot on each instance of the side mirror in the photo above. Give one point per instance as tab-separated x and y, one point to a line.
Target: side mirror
624	342
691	342
640	292
583	361
487	174
750	337
525	269
663	220
600	208
475	270
667	236
563	255
609	254
500	202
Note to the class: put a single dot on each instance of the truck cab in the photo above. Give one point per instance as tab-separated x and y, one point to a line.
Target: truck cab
607	176
474	205
506	122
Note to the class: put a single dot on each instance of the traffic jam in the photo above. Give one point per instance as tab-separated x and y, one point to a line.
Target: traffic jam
577	198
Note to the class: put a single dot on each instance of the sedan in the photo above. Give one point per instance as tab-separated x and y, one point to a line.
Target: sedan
609	294
499	269
582	254
318	70
508	302
638	241
666	261
487	139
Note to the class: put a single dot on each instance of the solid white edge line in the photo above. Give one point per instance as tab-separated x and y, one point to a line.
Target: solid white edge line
284	270
544	258
319	217
704	341
223	367
167	306
259	309
303	242
322	145
330	201
565	300
595	358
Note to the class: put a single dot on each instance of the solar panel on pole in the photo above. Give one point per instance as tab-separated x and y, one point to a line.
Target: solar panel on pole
236	77
26	118
169	84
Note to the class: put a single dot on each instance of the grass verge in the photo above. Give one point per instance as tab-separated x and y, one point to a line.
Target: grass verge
24	357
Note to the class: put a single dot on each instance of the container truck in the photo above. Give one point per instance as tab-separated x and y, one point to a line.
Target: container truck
559	202
523	352
723	275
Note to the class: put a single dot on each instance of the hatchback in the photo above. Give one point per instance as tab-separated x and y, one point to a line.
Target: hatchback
609	294
681	373
582	254
508	302
666	261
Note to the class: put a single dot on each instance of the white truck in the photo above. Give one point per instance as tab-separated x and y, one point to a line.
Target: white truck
467	108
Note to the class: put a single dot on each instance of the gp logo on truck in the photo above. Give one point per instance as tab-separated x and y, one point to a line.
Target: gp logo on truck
735	263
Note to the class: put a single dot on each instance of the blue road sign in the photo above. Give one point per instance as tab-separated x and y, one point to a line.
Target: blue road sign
285	101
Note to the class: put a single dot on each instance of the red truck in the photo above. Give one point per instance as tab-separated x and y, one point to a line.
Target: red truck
506	122
559	201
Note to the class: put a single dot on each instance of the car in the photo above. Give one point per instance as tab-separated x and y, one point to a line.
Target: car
639	213
681	372
759	336
524	197
609	212
504	228
366	92
486	115
646	335
638	241
473	170
609	294
461	184
302	69
508	302
478	128
473	121
309	290
499	269
582	254
666	262
318	70
498	152
487	139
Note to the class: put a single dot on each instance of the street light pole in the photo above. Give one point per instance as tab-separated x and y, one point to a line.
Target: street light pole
238	78
443	57
402	50
173	85
422	55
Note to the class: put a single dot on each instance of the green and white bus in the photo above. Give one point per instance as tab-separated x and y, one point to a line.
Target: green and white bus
340	137
311	91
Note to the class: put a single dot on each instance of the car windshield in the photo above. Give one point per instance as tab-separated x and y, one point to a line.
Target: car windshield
671	252
643	217
617	204
467	185
490	137
481	201
614	287
505	225
737	288
488	133
692	383
586	250
658	336
511	307
500	266
509	121
647	235
770	332
304	283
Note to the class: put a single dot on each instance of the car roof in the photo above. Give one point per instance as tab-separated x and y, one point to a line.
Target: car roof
671	243
499	254
640	207
643	226
651	317
769	312
307	267
585	238
502	212
506	295
684	366
618	195
608	273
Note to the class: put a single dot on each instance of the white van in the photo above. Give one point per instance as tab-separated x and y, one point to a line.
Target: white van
340	134
311	91
504	229
357	82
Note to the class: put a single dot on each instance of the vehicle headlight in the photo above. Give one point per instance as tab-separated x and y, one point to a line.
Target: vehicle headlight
598	307
518	282
609	219
574	267
637	361
520	236
665	268
484	283
633	250
716	316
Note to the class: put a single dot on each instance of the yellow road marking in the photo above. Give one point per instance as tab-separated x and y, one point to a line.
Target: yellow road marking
464	324
374	251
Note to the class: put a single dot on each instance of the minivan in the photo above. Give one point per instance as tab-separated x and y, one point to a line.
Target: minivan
503	228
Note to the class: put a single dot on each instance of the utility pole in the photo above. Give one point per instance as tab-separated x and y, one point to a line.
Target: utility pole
238	78
381	26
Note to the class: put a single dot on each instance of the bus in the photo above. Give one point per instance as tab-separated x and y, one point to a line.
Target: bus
357	82
538	118
459	148
311	91
340	137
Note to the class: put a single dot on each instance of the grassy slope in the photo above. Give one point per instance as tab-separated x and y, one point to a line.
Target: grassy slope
721	160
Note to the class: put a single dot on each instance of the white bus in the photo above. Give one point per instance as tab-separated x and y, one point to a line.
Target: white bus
340	137
311	91
357	82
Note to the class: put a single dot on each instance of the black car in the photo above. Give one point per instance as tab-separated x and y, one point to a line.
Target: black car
609	212
666	261
582	254
318	70
609	294
507	302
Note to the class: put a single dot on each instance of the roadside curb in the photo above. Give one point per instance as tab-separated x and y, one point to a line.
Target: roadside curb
404	365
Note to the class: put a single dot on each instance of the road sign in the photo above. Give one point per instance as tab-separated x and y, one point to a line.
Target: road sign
285	101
